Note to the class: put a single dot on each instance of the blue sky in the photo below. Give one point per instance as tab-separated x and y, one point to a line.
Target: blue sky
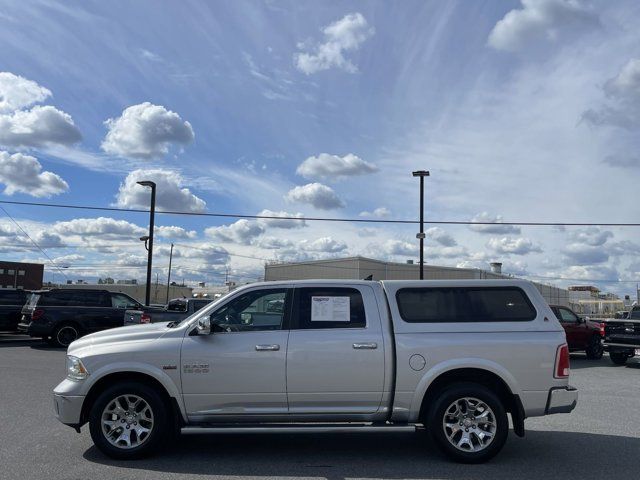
522	111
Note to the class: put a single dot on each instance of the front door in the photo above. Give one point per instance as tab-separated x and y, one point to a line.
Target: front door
335	359
239	370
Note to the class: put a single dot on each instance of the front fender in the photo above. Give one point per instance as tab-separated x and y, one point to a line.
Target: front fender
433	373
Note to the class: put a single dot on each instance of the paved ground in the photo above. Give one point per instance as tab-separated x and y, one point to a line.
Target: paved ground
600	439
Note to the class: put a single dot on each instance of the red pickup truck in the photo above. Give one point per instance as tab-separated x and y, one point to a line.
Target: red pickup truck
582	334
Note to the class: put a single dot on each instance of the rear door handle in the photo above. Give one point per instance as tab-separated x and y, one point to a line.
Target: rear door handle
365	346
267	348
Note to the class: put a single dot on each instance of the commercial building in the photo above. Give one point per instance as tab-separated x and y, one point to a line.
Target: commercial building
371	269
22	276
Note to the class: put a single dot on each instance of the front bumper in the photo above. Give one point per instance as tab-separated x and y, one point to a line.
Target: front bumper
562	400
68	409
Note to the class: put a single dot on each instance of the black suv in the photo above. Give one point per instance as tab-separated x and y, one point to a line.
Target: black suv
11	303
60	316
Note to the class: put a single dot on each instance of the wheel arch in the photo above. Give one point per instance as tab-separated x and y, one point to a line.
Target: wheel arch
488	377
112	378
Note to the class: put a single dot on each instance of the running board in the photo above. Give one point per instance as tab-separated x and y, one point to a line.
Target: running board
302	428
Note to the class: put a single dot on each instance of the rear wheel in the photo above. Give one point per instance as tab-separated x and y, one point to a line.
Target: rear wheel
129	421
468	423
64	334
619	358
595	350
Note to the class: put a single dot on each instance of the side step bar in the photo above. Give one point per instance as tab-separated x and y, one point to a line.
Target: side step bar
292	428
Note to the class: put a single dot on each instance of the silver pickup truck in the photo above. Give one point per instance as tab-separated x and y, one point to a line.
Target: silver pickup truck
454	357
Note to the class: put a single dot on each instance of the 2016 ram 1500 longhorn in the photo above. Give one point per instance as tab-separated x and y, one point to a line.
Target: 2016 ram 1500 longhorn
453	356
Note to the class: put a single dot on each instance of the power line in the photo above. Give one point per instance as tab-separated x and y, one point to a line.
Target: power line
33	241
322	219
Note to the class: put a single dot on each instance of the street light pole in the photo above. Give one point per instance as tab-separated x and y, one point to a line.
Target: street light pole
152	214
421	235
169	276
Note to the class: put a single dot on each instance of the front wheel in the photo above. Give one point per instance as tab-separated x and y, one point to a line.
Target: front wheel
595	350
468	423
128	421
619	358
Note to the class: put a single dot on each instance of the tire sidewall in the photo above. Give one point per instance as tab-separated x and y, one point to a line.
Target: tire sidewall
160	415
445	399
595	340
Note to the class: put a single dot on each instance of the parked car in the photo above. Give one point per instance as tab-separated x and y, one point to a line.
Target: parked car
621	314
174	311
455	356
61	316
622	337
11	303
582	333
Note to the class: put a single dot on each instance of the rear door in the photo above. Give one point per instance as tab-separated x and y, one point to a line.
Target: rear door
335	358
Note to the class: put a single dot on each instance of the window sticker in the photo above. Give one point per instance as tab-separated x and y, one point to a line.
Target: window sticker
330	309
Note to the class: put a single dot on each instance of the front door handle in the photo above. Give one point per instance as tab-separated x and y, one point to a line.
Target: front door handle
267	348
365	346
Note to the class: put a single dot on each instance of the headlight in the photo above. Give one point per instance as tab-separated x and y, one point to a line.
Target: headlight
75	368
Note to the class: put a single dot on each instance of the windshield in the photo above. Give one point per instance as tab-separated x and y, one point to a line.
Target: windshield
202	312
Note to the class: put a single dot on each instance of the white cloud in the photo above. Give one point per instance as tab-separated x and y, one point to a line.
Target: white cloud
380	212
23	173
496	219
591	272
592	236
145	131
438	235
541	20
324	244
273	243
40	126
243	232
102	227
316	194
584	254
400	247
516	246
622	108
170	194
17	92
346	34
174	232
286	223
333	167
627	82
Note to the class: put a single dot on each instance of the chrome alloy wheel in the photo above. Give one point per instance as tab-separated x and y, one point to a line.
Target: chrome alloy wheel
127	421
469	424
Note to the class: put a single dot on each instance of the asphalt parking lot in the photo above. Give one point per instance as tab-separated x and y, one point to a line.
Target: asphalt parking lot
601	438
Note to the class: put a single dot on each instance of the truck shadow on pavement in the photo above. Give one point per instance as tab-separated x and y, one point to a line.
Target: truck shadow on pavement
541	454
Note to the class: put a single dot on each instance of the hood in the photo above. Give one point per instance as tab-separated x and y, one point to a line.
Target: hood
133	333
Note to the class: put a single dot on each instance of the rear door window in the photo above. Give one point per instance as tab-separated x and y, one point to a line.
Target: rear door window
464	304
329	307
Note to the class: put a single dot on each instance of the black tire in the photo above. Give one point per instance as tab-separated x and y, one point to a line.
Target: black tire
64	334
159	432
595	350
440	409
619	358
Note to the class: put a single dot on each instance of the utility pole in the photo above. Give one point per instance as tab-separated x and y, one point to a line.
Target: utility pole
149	238
169	275
421	235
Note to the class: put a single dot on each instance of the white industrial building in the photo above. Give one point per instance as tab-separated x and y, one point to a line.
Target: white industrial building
368	268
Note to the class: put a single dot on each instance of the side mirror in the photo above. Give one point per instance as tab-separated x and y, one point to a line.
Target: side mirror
204	325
